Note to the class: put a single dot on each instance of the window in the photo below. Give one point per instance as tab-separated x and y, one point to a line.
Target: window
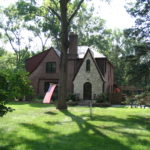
51	67
88	65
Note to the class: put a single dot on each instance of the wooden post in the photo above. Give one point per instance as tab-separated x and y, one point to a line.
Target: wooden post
91	108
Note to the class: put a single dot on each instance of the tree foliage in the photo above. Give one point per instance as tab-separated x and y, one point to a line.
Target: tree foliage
139	58
12	28
14	82
141	11
3	95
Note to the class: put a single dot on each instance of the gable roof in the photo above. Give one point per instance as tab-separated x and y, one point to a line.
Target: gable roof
81	51
33	62
90	52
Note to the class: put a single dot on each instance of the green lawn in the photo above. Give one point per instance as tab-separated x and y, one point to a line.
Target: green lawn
37	126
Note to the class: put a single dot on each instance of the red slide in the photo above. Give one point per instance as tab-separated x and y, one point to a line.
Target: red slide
49	94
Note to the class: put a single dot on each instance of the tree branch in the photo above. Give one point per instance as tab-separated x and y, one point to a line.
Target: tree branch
55	13
54	2
75	12
10	41
41	42
47	39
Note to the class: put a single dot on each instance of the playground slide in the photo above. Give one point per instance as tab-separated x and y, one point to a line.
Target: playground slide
49	93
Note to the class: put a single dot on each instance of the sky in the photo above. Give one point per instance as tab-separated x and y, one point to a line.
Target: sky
114	13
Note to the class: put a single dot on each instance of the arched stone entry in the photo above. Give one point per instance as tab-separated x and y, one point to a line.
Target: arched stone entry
87	91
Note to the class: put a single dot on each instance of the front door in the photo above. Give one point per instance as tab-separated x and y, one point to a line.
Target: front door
87	91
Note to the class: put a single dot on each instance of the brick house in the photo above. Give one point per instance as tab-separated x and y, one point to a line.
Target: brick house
89	72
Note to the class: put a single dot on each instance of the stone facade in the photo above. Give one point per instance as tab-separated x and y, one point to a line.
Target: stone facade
93	77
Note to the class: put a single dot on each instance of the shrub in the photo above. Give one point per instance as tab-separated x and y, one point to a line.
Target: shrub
4	95
19	84
102	98
131	100
72	103
73	97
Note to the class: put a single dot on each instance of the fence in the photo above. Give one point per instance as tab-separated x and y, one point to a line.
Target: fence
116	98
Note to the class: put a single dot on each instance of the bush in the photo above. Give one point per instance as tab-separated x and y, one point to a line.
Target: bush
4	95
72	103
4	109
101	104
73	97
131	100
19	85
102	98
144	98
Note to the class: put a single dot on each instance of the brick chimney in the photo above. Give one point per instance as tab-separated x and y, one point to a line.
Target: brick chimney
72	60
73	45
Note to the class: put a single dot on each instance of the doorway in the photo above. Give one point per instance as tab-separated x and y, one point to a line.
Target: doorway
87	91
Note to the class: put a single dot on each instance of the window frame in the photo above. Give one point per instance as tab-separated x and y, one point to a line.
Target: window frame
51	67
88	65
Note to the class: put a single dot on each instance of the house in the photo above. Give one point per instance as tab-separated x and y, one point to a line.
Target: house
89	72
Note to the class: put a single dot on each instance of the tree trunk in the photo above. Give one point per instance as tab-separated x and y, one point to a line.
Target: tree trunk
64	58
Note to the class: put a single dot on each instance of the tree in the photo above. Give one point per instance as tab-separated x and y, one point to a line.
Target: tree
3	89
141	11
14	85
65	21
13	31
40	21
139	59
91	30
19	85
14	82
3	95
36	20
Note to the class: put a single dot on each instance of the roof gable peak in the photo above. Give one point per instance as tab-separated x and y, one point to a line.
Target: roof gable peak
93	59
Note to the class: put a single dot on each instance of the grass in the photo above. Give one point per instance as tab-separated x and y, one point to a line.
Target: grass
37	126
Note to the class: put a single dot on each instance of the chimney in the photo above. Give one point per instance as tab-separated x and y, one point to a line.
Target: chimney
73	44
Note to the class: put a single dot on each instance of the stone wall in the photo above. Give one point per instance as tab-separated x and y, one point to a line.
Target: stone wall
93	77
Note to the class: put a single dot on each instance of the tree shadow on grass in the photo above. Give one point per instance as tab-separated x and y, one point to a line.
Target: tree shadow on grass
41	105
50	113
33	104
49	140
87	137
133	121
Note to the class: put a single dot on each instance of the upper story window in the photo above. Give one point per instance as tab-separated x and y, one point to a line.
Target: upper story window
50	67
88	65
